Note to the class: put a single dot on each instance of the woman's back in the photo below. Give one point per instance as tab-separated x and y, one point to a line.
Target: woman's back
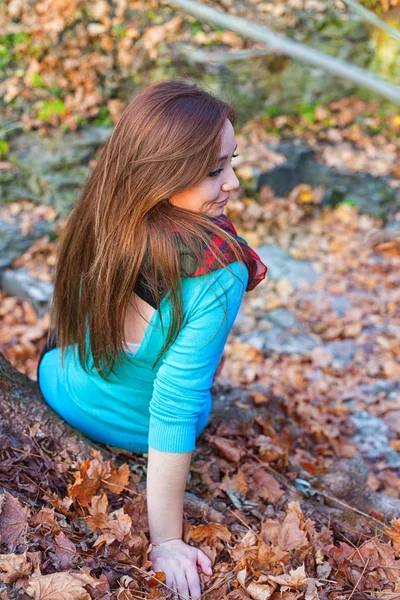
166	407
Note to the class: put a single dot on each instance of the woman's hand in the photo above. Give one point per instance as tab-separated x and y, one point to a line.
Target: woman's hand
179	562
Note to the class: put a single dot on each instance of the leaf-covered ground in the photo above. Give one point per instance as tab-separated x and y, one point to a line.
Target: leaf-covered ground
80	530
64	63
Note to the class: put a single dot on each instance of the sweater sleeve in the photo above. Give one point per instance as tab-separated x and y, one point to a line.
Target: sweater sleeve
184	379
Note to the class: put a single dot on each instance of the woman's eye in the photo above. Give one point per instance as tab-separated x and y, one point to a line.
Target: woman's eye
215	173
218	171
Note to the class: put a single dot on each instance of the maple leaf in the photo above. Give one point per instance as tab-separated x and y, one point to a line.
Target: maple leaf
210	533
269	556
116	481
286	535
291	536
296	578
13	520
229	448
256	591
14	567
247	544
65	550
87	482
237	483
61	586
97	473
117	527
45	516
98	512
394	534
267	486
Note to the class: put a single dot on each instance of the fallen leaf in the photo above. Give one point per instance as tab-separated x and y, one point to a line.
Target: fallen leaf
13	521
14	566
210	533
61	586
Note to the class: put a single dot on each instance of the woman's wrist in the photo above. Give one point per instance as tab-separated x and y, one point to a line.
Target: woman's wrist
166	481
166	541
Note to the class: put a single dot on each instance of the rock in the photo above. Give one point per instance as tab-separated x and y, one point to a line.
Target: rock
373	195
21	284
278	340
12	242
283	318
51	170
390	390
342	351
348	480
372	437
282	265
339	304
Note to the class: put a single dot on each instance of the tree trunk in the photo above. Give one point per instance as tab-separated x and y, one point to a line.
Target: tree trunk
27	421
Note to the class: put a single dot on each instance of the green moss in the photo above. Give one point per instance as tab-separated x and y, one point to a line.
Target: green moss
104	119
349	201
49	107
196	27
37	80
119	30
4	148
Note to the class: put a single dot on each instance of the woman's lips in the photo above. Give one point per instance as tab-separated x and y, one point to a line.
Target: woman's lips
222	201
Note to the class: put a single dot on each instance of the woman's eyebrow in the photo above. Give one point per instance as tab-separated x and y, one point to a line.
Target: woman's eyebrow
221	158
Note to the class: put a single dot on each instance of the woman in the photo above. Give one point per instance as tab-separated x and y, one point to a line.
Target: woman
149	279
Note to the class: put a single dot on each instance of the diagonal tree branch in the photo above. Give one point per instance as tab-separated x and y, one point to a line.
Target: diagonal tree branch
369	16
296	50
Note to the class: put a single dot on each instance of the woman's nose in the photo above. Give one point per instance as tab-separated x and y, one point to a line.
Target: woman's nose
232	182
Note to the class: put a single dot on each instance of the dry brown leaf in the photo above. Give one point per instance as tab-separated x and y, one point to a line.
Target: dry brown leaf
14	566
98	512
61	586
266	486
229	448
116	481
117	527
97	473
65	551
394	533
210	533
13	520
237	483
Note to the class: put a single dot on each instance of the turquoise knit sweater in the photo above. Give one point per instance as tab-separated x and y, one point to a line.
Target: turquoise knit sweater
165	408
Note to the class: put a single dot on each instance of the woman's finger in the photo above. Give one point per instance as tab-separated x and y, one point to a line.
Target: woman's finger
182	586
194	584
170	582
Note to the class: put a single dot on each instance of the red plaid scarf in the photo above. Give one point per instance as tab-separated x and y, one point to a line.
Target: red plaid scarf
256	268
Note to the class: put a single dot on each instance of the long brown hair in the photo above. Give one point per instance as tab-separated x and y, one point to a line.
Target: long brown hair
167	140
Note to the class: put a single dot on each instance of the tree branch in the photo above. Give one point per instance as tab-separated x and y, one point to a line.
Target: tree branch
298	51
369	16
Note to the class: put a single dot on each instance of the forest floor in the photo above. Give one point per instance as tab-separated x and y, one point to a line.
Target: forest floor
312	373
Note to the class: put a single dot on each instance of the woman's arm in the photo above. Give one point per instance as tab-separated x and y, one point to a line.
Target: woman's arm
166	481
181	390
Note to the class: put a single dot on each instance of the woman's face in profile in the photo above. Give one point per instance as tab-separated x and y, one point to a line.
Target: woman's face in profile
211	195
